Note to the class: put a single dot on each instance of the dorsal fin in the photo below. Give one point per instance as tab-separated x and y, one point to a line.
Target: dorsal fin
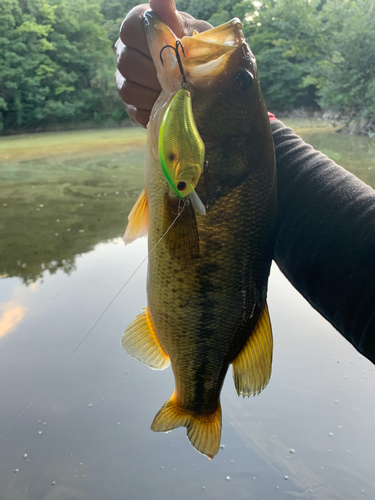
203	431
252	366
141	342
138	219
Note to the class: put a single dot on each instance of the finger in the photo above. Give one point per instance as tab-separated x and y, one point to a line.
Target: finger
134	94
138	116
191	24
180	23
137	68
142	116
167	12
119	47
132	32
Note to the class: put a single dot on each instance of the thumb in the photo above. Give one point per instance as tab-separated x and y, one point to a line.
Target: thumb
167	12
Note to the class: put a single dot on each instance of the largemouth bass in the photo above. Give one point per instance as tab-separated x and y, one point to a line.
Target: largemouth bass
207	276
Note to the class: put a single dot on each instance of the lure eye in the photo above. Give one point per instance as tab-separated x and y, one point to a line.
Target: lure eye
181	186
243	80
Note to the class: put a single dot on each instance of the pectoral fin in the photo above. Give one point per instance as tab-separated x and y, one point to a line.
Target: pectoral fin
252	367
138	220
203	431
140	341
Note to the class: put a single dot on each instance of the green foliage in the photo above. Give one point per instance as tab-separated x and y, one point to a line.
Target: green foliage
347	69
314	52
114	11
117	9
281	35
57	61
213	11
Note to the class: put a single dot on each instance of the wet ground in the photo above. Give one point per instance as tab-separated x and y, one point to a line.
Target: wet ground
85	407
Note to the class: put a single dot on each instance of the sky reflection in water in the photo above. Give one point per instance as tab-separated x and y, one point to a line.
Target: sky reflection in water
308	435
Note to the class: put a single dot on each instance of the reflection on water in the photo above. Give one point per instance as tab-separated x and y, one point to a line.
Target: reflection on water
354	153
57	202
63	193
308	435
11	315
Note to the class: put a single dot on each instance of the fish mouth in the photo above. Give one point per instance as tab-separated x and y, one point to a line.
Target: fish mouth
204	57
208	60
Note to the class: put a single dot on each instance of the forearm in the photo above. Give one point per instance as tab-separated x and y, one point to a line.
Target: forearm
325	242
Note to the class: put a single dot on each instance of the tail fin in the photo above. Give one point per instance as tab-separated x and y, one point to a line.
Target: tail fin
203	431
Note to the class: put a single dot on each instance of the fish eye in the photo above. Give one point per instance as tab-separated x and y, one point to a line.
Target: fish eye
181	186
243	80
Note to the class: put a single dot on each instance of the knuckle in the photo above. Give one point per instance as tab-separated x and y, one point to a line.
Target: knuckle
119	48
126	62
127	93
120	80
132	23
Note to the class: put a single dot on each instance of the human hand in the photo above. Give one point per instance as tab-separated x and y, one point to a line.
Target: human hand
136	78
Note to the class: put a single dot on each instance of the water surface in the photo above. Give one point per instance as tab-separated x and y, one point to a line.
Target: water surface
309	435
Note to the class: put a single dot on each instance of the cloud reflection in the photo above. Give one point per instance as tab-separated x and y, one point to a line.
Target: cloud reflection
12	314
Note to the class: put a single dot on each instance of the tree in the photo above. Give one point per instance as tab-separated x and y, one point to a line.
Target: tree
346	70
282	36
314	52
56	63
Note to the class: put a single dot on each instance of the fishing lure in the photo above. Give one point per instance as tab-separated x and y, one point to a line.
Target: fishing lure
181	149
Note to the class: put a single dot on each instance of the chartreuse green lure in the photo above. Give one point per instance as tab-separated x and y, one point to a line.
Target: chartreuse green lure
181	149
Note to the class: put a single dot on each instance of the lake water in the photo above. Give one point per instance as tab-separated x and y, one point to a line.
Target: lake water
84	406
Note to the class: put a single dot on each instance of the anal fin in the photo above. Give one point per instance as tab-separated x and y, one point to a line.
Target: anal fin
252	366
138	219
141	342
203	431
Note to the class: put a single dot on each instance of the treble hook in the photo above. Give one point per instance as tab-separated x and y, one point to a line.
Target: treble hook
185	83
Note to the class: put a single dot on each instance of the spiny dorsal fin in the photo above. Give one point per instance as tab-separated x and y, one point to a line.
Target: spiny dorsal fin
203	431
252	367
140	341
138	220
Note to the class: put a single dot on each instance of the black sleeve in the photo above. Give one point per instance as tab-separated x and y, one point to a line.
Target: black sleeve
325	241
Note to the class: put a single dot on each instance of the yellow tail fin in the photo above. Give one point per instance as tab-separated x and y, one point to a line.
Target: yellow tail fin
203	431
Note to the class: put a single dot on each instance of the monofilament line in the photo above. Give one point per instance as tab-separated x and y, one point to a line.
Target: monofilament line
124	285
97	321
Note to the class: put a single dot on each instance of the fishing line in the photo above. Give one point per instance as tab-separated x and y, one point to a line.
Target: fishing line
124	285
179	212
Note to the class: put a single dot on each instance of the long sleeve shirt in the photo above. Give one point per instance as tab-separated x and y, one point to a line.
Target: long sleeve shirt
325	240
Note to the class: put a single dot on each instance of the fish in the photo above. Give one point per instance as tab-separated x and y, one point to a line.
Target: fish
207	273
